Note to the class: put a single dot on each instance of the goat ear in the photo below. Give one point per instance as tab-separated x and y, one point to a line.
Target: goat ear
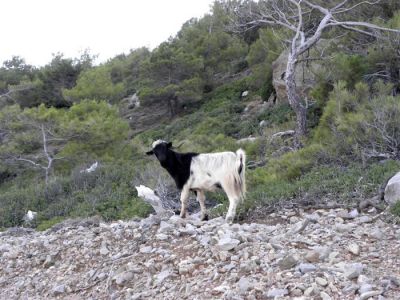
169	145
150	152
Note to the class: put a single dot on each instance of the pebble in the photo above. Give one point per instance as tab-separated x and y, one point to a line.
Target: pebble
277	293
354	249
321	281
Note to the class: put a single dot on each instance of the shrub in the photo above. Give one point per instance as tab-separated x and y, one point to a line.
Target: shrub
396	209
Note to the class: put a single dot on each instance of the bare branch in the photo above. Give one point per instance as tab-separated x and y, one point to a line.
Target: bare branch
336	9
29	161
361	24
340	5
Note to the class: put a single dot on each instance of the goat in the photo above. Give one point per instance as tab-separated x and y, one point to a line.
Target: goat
204	172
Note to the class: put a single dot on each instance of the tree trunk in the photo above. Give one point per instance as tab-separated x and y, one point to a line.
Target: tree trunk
295	100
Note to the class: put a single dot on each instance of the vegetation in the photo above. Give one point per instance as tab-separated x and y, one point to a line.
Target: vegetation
57	120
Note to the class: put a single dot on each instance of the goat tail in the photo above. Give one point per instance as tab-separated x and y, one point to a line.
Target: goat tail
241	171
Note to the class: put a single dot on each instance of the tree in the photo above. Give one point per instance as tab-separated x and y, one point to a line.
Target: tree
30	137
305	21
173	75
95	83
38	137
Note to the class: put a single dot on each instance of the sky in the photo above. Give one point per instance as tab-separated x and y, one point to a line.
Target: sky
35	29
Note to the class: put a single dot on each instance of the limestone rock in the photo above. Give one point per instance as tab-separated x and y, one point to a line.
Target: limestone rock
392	190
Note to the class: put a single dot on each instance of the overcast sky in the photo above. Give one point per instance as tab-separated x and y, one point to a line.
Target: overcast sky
34	29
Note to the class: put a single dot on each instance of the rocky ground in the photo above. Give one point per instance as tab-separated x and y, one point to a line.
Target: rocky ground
321	254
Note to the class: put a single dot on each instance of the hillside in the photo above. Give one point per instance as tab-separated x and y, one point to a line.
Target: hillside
213	87
293	254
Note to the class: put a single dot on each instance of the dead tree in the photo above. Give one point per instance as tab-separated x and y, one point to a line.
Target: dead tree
294	16
49	157
42	159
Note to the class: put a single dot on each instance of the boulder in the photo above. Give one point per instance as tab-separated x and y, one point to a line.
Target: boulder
392	190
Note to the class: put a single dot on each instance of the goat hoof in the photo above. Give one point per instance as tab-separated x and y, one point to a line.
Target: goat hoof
182	215
229	220
204	218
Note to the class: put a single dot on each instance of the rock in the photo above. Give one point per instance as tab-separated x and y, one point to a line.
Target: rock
370	294
104	249
321	281
344	228
277	293
392	190
377	234
365	219
352	271
123	278
146	249
59	289
162	276
348	215
306	268
296	293
325	296
165	227
310	291
312	256
287	262
365	288
244	285
245	94
354	249
226	244
259	261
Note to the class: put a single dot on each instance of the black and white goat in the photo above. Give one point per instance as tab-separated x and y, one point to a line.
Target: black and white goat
204	172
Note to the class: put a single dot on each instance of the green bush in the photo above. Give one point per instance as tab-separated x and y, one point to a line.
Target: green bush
396	209
345	185
107	192
46	224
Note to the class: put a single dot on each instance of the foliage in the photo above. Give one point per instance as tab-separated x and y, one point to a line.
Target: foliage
107	192
87	131
360	122
96	84
343	185
396	209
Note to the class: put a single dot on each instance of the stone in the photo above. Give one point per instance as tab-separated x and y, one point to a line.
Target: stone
392	190
104	249
312	256
376	234
370	294
306	268
226	244
146	249
365	219
344	228
165	227
366	287
59	289
321	281
123	278
325	296
163	276
277	293
354	249
352	271
287	262
244	285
